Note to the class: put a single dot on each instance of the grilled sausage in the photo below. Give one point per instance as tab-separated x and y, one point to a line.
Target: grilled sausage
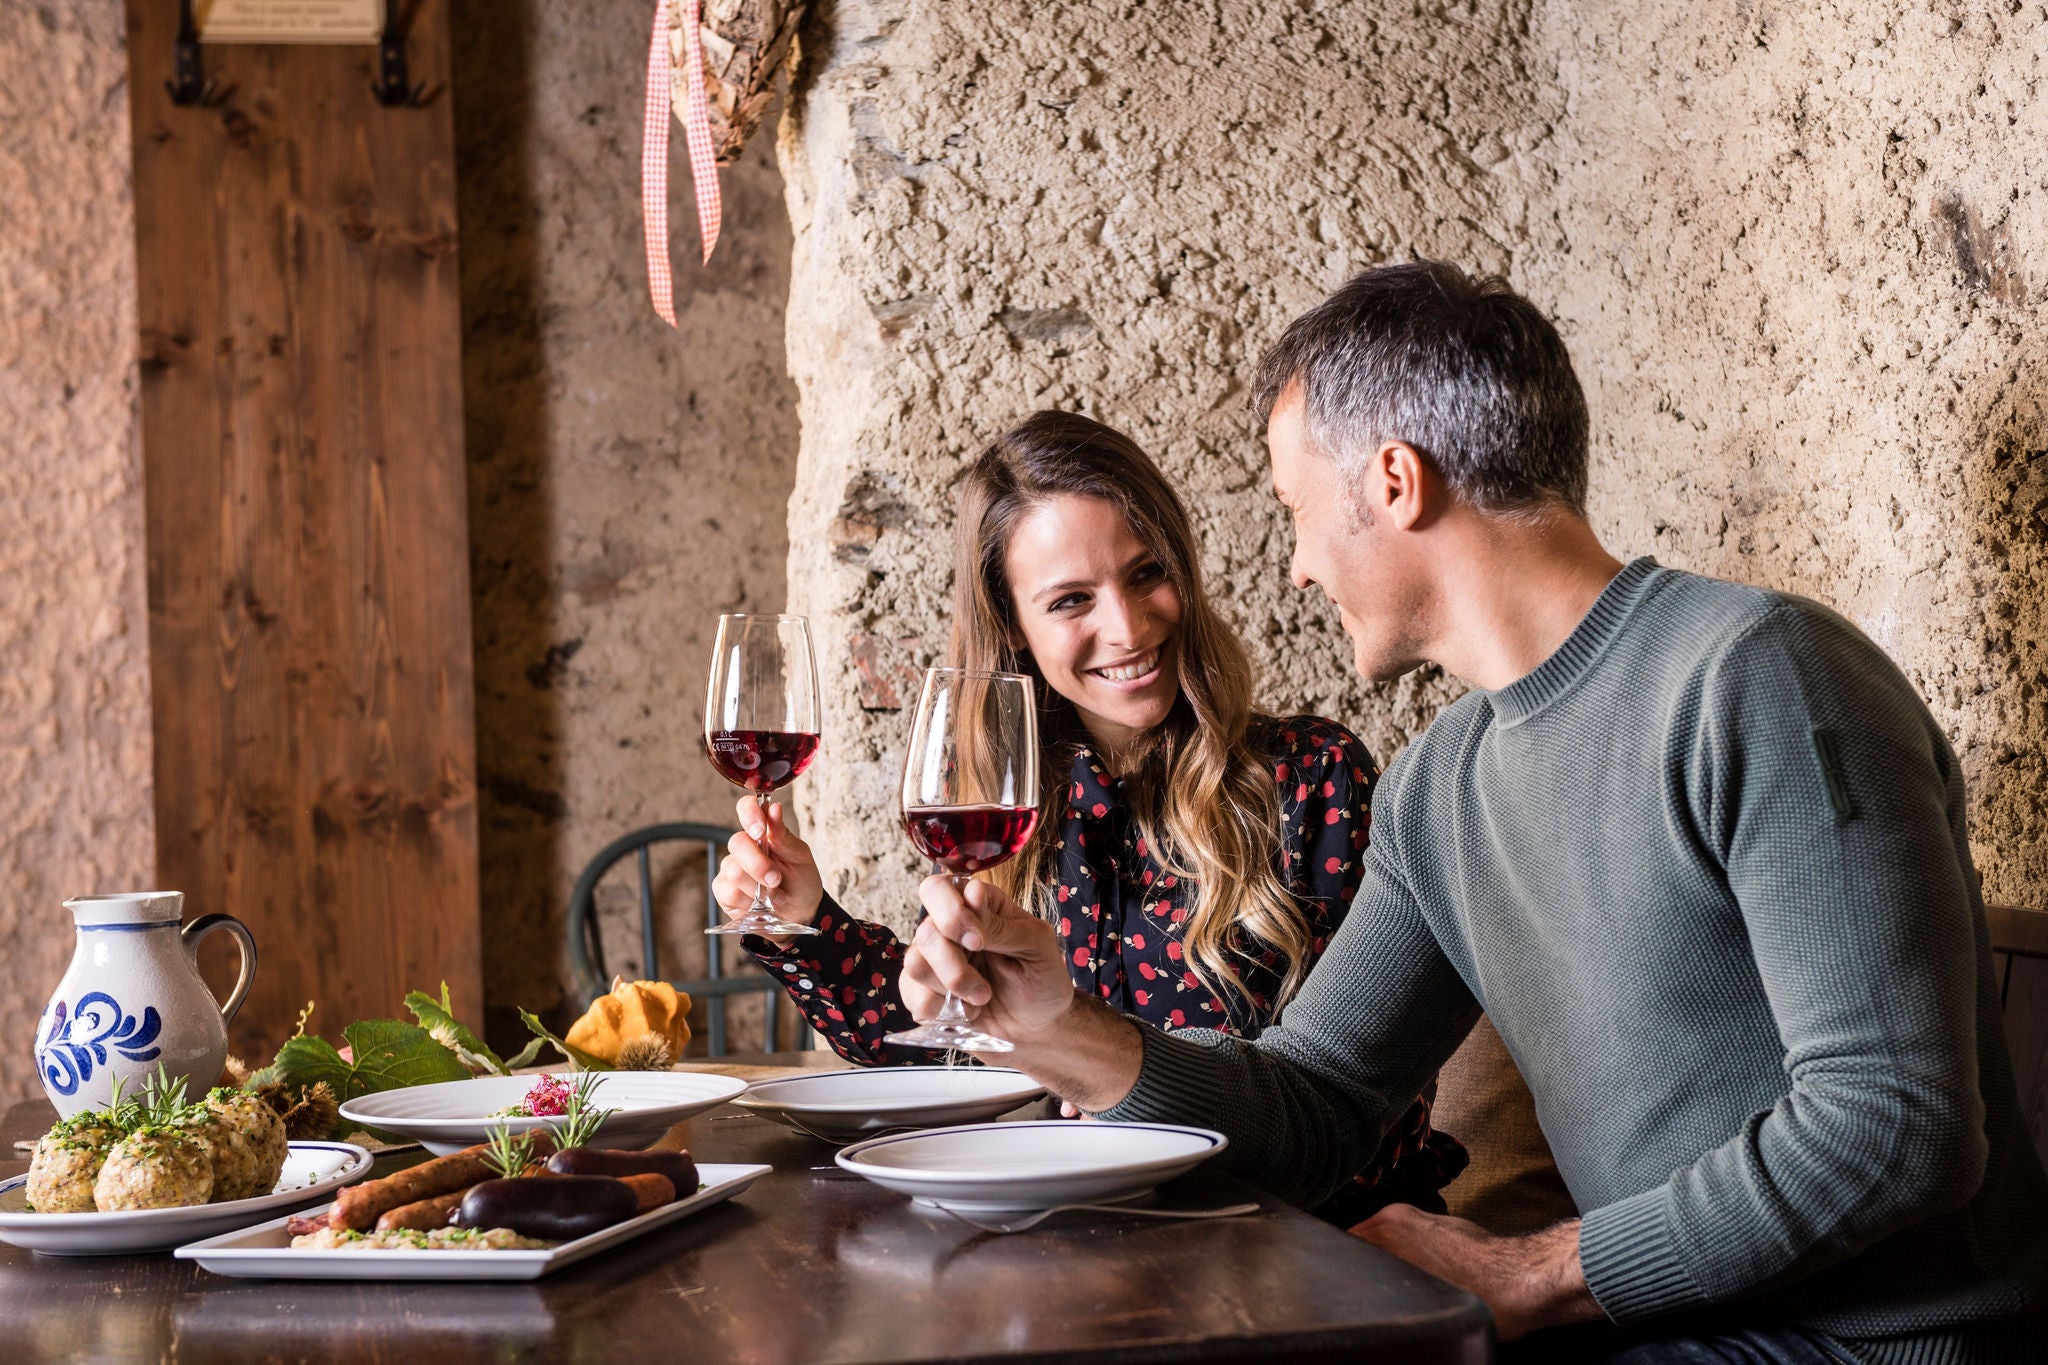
651	1190
359	1206
424	1215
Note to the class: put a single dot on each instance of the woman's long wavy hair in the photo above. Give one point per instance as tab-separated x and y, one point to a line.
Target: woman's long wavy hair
1200	797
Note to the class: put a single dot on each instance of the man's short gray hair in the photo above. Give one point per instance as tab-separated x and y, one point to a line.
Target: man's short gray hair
1466	371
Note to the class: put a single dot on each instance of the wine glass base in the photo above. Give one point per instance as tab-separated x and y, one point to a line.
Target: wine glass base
767	926
965	1037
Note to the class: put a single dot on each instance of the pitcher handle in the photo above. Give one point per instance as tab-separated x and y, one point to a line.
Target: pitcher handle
206	924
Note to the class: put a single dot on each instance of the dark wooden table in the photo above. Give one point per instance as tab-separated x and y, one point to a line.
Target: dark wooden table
807	1265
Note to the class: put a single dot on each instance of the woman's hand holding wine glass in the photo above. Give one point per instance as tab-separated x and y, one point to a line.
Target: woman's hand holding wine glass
761	732
765	856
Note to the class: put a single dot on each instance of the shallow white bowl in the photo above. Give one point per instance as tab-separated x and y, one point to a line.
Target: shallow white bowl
840	1105
311	1169
266	1253
1005	1167
455	1114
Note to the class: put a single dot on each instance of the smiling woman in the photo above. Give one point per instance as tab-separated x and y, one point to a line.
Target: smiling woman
1196	856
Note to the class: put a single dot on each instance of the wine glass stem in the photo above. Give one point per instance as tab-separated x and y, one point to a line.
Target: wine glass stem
954	1010
763	907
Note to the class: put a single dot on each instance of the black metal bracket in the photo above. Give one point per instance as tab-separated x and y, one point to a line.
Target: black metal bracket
393	85
188	83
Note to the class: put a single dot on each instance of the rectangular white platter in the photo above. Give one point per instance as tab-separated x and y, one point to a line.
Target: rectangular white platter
265	1251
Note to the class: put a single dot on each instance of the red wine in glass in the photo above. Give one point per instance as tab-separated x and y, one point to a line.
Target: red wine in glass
761	727
761	760
968	839
970	802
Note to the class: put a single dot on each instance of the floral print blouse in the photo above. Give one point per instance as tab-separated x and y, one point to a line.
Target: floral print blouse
1123	917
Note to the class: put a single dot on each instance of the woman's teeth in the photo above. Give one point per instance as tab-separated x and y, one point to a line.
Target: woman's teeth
1129	672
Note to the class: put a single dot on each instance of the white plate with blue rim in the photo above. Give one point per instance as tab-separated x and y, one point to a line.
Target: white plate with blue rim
841	1106
451	1115
1011	1167
311	1169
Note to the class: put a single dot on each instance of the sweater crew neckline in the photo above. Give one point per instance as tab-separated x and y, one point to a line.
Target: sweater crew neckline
1597	629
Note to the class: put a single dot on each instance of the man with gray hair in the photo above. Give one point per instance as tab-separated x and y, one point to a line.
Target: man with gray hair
1696	848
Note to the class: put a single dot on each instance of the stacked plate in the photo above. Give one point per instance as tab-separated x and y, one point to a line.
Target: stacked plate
841	1106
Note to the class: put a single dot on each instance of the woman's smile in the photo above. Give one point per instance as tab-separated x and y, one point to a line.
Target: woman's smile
1134	674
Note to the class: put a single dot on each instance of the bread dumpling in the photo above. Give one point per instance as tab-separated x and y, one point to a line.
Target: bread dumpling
66	1163
236	1167
157	1167
259	1127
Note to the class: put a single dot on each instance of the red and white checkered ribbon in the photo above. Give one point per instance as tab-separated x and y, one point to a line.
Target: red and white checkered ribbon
654	151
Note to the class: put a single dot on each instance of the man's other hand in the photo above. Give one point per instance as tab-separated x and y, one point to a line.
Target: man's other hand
1529	1282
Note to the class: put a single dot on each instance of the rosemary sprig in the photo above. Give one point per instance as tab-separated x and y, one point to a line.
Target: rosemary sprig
509	1156
126	1115
163	1101
580	1121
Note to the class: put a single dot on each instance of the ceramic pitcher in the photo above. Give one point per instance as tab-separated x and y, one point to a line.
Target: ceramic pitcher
133	1000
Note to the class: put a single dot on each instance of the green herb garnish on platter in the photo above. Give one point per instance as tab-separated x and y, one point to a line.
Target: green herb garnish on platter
510	1156
581	1119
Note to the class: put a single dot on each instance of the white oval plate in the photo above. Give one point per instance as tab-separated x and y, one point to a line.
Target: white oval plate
1004	1167
265	1252
452	1115
842	1105
311	1169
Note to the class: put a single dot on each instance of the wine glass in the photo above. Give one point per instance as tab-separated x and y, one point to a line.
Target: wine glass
970	801
761	727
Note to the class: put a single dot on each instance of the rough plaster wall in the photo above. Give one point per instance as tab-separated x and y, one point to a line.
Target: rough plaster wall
628	482
75	814
1110	208
1799	252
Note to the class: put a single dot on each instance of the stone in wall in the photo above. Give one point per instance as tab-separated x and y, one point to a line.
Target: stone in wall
75	787
1798	251
627	482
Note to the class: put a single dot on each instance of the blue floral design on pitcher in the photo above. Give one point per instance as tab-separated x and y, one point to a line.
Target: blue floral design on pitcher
67	1061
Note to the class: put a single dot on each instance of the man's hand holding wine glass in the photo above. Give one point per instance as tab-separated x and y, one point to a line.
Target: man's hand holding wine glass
1004	962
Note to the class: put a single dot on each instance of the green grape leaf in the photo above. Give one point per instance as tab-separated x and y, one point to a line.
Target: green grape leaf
391	1056
437	1017
574	1054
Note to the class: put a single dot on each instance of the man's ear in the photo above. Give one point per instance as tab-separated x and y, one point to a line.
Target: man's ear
1405	489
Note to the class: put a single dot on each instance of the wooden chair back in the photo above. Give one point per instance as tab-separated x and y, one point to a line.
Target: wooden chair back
586	945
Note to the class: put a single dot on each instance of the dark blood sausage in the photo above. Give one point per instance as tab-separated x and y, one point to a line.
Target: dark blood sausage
423	1215
677	1166
558	1209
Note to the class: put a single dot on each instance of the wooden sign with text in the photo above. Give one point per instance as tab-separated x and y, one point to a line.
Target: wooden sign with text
290	21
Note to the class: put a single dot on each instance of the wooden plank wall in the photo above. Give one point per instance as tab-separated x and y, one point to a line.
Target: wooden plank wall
308	542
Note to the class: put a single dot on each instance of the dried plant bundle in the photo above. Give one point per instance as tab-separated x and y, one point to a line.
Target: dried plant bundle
745	44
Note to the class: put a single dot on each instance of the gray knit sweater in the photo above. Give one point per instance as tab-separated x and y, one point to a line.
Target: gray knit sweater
1705	868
